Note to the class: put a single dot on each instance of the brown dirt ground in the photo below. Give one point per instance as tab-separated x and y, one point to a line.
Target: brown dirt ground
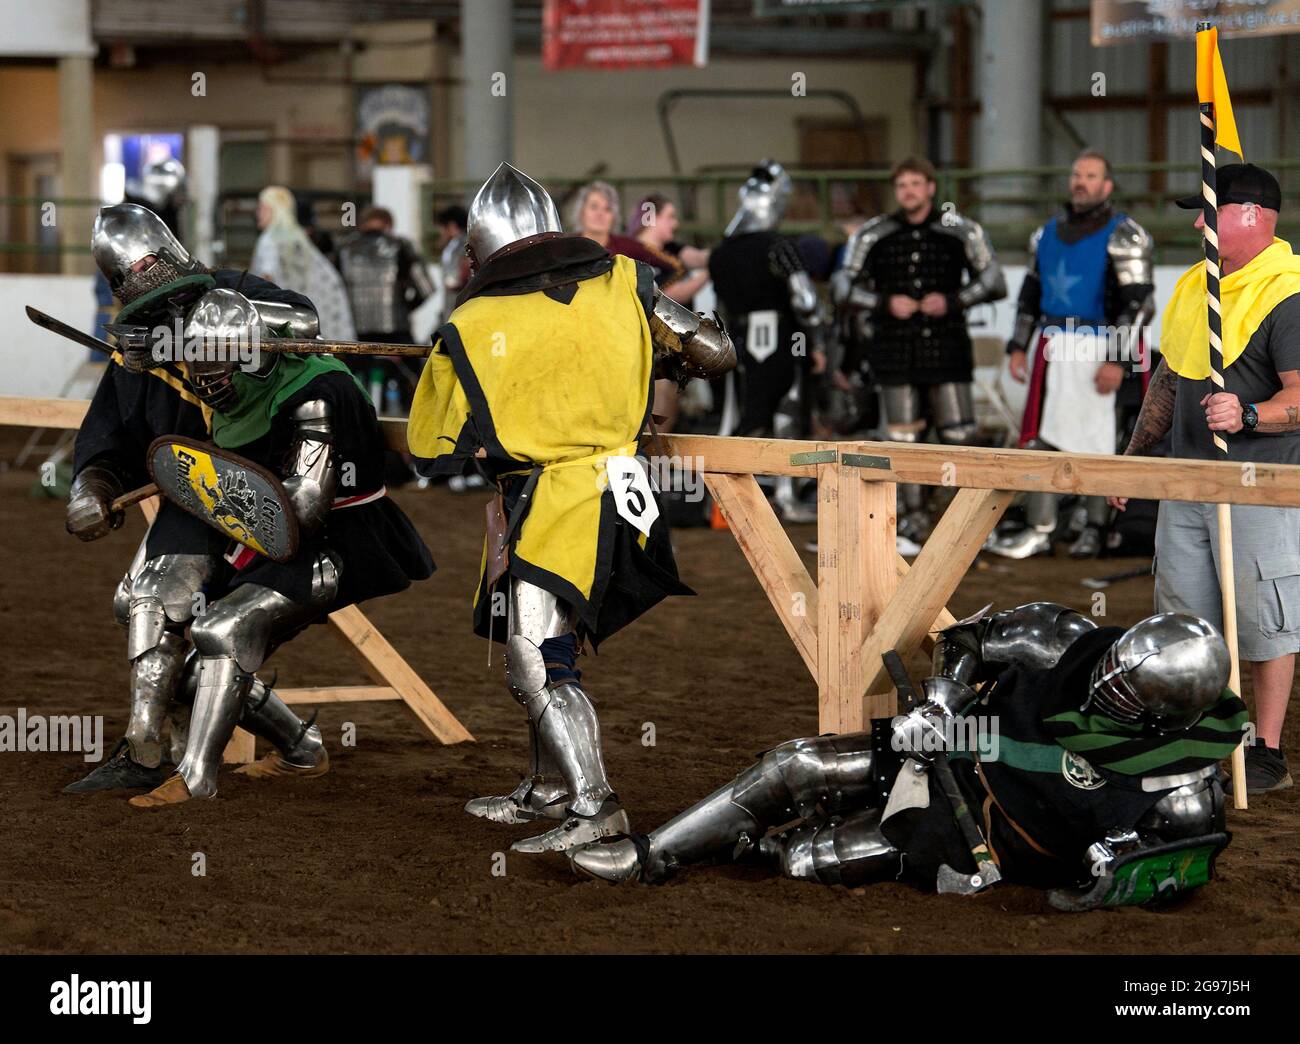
378	856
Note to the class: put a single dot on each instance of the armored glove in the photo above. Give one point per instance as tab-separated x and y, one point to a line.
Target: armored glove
133	343
90	514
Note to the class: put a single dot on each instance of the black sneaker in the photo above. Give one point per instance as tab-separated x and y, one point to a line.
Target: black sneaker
119	772
1265	770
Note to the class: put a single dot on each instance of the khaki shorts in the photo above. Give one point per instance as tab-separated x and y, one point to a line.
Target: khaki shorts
1266	564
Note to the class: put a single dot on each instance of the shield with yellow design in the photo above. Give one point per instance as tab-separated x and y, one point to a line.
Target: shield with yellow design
231	494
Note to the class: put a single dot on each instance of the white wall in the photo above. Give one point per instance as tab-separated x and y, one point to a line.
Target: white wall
35	362
45	28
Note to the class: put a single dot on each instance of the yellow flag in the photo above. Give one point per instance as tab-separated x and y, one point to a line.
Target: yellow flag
1212	86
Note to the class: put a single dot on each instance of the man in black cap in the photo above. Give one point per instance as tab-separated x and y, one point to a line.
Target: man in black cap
1258	415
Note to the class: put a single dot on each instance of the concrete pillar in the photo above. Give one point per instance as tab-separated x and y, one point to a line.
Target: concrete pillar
76	144
202	165
487	68
1011	92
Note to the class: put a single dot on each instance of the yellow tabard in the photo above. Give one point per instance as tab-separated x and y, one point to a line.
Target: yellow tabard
538	382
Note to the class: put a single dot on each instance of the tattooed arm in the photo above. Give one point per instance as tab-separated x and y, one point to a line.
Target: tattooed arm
1282	412
1157	415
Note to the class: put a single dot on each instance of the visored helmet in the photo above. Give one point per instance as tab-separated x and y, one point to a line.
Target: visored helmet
1166	670
124	236
225	326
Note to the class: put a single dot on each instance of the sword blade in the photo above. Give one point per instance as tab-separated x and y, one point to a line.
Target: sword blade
57	326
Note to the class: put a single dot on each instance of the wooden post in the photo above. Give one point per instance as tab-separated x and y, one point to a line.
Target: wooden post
856	576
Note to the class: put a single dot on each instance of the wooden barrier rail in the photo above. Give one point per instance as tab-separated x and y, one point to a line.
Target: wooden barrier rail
866	599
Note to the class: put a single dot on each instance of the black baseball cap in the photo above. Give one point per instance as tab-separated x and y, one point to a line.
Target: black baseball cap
1241	183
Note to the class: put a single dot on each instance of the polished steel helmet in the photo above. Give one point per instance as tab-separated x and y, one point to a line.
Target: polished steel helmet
127	233
509	207
1166	670
763	199
225	329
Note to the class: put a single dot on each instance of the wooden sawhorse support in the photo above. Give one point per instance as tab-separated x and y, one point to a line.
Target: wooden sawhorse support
867	599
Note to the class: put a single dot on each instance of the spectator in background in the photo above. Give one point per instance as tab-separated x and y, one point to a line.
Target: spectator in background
284	255
386	281
653	223
593	213
454	261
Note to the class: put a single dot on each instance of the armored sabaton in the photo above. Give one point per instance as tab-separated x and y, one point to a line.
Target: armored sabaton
923	364
1163	673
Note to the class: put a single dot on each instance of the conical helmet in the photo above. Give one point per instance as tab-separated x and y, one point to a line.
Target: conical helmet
509	207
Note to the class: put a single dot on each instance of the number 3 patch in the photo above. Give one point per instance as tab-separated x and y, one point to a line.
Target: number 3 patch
632	495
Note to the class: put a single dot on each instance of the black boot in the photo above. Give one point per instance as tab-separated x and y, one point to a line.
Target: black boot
119	772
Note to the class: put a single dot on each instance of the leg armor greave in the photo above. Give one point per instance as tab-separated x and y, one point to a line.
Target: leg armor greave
268	717
850	852
567	729
155	674
233	637
905	422
954	413
788	782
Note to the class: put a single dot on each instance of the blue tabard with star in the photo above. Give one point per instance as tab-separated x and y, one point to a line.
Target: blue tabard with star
1073	275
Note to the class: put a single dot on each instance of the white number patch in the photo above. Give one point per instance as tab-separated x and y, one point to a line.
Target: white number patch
632	496
761	335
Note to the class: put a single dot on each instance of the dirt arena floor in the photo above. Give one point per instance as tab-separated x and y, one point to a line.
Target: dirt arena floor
378	856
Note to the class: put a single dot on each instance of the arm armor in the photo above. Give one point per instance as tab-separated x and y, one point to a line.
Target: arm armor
987	283
848	291
1129	251
283	319
417	277
688	344
1028	305
312	474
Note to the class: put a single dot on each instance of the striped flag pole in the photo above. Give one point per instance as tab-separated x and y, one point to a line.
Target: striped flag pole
1214	317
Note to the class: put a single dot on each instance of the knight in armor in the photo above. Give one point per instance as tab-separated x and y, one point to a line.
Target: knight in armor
140	398
542	378
907	281
1088	292
774	314
1094	772
307	422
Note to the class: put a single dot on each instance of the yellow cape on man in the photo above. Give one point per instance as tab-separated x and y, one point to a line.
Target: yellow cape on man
1246	297
537	381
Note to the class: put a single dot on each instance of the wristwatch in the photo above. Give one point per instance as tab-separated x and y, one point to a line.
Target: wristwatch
1249	417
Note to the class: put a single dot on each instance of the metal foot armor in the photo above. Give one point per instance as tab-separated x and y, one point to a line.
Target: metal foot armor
577	830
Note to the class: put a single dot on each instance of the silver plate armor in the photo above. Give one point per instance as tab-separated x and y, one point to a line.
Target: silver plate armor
509	207
701	344
312	475
233	639
763	199
125	234
227	326
93	490
1165	670
1130	248
284	319
987	282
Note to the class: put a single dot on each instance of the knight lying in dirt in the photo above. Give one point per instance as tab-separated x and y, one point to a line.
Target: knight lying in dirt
1103	786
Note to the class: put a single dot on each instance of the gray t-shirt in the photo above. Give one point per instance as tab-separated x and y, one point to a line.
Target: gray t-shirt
1253	377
